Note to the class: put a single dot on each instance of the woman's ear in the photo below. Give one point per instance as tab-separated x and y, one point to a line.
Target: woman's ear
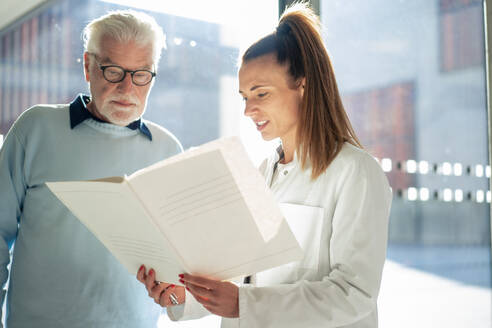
302	86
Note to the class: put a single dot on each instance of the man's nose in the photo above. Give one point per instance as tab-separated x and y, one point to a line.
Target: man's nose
126	84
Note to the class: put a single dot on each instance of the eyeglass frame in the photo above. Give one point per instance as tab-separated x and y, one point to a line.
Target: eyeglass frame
125	71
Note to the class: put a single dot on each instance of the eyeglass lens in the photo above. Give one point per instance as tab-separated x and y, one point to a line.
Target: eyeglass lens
117	74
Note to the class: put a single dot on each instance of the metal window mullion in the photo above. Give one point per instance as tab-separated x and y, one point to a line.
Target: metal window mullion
487	6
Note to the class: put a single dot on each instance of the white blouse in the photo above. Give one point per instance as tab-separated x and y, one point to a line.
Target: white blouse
341	222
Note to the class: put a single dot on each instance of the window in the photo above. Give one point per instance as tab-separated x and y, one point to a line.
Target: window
428	127
195	95
385	137
461	32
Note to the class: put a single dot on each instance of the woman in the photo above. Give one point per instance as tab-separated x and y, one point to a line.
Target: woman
338	194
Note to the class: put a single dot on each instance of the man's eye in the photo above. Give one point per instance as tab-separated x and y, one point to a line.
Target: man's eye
261	95
113	72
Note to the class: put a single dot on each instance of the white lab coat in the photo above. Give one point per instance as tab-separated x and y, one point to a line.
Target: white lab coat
341	222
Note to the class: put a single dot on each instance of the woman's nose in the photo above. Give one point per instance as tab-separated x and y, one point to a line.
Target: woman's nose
249	109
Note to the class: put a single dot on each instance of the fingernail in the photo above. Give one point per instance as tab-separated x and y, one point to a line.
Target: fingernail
172	286
181	281
141	268
181	275
187	289
151	272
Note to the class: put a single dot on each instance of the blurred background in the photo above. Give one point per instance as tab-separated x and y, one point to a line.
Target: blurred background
413	79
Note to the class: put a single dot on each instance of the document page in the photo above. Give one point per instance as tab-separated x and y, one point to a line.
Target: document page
120	222
207	211
219	226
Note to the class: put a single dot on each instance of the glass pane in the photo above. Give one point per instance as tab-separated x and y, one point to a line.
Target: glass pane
195	95
412	76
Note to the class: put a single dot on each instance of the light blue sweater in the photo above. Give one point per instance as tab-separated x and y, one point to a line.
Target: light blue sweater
61	275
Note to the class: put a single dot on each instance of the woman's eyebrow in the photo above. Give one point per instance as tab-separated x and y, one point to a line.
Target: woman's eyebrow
256	87
253	88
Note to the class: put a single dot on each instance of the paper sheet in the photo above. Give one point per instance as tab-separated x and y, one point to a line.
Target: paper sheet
206	211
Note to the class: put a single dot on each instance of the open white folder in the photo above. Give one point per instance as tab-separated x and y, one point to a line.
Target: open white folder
206	211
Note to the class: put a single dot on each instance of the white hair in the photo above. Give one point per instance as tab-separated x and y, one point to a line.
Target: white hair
125	26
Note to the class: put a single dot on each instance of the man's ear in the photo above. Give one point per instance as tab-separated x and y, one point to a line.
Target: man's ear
86	66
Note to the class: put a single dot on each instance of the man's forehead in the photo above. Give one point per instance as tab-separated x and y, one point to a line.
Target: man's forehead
121	53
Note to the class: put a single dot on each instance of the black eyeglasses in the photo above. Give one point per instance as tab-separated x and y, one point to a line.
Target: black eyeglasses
116	74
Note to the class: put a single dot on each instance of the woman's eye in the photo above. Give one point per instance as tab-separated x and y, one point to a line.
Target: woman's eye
261	95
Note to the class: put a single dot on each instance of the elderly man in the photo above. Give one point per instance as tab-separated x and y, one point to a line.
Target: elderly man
61	275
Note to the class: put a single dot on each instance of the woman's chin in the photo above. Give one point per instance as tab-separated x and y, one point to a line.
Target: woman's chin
267	137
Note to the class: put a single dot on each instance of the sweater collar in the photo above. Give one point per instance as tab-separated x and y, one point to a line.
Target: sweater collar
80	113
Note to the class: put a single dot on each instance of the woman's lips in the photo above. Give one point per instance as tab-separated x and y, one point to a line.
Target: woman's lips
261	125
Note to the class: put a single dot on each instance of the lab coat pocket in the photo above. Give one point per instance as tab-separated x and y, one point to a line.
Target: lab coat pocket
306	223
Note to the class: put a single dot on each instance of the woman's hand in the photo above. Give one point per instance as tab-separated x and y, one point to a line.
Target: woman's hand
161	292
219	297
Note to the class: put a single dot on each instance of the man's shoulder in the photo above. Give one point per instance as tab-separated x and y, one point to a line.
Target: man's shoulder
48	108
43	111
161	134
40	115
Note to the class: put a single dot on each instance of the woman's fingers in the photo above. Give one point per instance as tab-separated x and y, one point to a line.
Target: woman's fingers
198	281
218	297
158	289
201	288
172	292
141	274
201	294
163	293
150	280
153	287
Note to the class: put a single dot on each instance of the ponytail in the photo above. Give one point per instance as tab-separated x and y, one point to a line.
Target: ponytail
323	123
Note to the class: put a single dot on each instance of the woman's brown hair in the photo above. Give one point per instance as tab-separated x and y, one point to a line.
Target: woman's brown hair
323	123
